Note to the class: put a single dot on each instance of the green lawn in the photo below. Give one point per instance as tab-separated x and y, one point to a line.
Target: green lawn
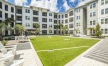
59	57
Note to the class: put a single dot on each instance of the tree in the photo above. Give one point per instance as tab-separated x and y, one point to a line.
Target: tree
37	26
9	22
57	27
64	29
1	30
61	26
92	31
19	29
98	31
76	31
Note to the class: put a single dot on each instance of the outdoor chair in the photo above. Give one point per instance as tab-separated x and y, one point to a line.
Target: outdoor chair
5	49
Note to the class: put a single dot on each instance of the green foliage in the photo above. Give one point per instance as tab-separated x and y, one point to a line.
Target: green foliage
4	42
98	31
59	57
19	28
36	25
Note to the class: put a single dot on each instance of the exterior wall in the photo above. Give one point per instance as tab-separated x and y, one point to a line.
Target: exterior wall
81	18
104	16
91	10
8	12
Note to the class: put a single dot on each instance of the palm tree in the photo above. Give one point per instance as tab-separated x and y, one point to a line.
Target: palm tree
64	29
19	29
57	27
9	22
2	25
61	26
37	26
92	30
76	31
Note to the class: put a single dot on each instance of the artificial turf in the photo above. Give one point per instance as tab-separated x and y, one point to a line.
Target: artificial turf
59	57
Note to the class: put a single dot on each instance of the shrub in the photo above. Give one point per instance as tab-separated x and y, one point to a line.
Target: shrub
4	42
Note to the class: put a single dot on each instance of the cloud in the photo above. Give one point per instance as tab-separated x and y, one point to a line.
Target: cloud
21	2
72	0
48	4
66	6
82	2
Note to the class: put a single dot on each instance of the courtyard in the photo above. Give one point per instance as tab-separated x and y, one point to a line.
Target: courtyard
59	50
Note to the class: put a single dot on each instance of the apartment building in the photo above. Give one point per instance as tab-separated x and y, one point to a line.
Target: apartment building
78	20
92	16
7	10
103	16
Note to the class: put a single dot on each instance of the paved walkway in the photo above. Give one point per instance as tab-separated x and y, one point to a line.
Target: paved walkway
27	52
88	58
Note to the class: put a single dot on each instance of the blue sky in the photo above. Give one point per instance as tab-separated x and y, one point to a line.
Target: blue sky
53	5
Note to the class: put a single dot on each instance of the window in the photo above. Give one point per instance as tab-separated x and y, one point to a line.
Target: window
106	1
1	14
50	20
35	19
71	19
94	13
66	21
12	9
50	14
44	19
27	25
106	21
94	5
90	6
106	11
19	18
6	7
94	22
106	31
90	22
1	5
102	2
27	10
102	31
62	21
70	25
102	11
12	16
62	16
59	21
55	16
44	14
59	16
90	14
35	12
27	17
66	15
44	25
44	32
102	21
55	21
70	13
79	17
19	11
6	15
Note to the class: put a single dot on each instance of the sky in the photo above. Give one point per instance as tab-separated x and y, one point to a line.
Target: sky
52	5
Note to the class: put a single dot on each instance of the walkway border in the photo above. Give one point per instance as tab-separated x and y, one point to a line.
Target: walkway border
72	62
37	59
